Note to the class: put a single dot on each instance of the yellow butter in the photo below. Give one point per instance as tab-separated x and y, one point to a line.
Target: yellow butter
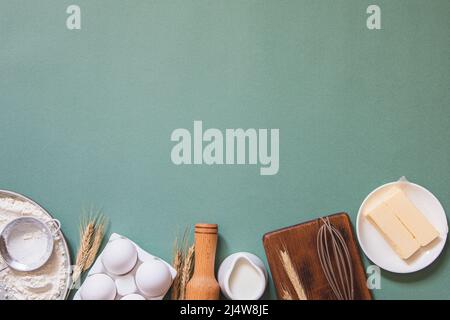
412	218
401	223
400	239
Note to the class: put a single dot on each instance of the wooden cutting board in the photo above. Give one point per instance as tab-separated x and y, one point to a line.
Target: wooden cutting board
300	242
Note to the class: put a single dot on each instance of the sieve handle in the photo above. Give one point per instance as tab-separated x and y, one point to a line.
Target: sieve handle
54	225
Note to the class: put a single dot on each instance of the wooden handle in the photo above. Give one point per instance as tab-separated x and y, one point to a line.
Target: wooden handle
203	284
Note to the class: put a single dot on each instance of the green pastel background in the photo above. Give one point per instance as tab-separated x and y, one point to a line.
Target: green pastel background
86	116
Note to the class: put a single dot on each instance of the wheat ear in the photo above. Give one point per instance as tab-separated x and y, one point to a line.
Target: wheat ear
99	232
177	265
188	267
292	274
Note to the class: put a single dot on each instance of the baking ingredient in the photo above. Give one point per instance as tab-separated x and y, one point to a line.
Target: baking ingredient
99	231
27	243
48	282
120	256
183	262
245	281
98	287
153	278
242	276
404	227
401	240
187	271
203	284
125	284
177	264
133	296
92	231
416	223
293	277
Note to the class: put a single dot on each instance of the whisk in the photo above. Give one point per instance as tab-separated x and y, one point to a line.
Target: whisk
335	260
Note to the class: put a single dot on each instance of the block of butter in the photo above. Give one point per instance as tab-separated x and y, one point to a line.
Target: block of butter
401	223
400	239
412	218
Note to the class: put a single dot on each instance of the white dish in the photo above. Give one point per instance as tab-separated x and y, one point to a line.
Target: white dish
378	250
36	284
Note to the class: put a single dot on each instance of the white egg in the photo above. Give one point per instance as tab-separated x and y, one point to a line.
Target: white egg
119	256
98	287
153	278
125	284
133	296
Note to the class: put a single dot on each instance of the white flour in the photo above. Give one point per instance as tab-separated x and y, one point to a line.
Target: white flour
48	282
27	243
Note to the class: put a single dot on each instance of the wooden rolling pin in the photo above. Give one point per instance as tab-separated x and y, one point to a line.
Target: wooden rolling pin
203	284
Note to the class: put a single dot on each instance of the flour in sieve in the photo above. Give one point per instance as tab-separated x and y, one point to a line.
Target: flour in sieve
46	283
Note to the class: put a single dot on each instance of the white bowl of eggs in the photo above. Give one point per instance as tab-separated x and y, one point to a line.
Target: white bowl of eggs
123	271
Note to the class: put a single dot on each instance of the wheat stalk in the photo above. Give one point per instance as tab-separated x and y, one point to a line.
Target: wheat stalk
177	265
92	230
292	275
183	263
285	295
87	232
99	232
186	273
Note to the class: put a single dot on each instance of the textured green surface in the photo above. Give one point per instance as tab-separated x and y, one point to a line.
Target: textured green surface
86	115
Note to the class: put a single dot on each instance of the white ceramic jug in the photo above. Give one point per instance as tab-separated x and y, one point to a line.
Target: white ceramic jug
242	276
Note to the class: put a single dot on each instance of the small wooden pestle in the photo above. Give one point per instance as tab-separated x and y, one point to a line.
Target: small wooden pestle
203	284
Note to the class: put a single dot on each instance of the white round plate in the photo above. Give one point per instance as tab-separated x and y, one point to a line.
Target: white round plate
377	248
60	238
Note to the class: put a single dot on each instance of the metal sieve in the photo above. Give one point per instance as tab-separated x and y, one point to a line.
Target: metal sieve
23	227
